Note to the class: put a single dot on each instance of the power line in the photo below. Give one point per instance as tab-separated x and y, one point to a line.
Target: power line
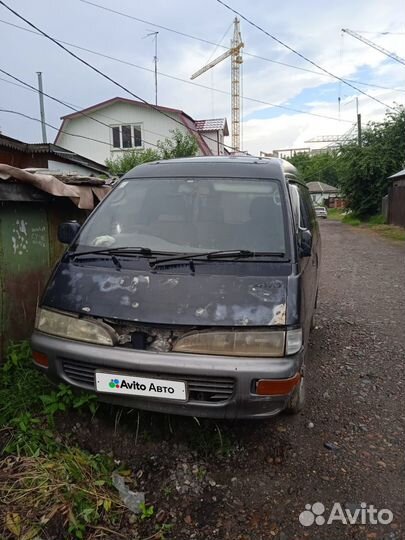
154	107
300	54
179	79
53	127
74	107
246	53
69	106
115	59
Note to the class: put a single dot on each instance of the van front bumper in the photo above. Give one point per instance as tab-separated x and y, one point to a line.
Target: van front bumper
218	386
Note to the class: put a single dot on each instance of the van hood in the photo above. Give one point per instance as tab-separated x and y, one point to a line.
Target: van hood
199	299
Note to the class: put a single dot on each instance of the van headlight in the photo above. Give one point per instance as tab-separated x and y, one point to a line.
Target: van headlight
255	343
66	326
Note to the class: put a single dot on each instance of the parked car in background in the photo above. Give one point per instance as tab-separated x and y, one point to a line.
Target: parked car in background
321	212
190	290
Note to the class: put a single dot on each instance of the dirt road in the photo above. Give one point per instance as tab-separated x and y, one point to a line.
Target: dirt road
252	480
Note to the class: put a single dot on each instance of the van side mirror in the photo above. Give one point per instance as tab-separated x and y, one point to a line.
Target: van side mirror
67	231
305	246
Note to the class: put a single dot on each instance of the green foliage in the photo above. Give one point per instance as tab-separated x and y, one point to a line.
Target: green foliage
146	511
361	172
377	220
20	384
64	398
130	159
365	170
29	436
48	475
352	220
178	145
318	167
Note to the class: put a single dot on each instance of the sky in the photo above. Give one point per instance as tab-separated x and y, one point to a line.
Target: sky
313	28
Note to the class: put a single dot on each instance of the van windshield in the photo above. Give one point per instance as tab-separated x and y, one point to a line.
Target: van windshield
181	215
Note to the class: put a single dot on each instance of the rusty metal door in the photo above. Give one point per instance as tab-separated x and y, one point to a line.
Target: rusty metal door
24	267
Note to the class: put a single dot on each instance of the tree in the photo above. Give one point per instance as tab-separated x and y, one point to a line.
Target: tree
322	167
178	145
130	159
364	170
361	172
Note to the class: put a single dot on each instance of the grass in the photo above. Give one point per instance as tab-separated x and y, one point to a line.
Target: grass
374	223
41	478
47	482
335	214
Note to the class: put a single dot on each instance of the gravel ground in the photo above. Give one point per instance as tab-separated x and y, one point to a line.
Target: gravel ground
251	480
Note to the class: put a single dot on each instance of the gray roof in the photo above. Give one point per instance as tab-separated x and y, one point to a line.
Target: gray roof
321	187
212	166
399	174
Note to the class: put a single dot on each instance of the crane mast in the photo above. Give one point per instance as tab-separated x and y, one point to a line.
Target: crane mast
235	99
236	60
390	54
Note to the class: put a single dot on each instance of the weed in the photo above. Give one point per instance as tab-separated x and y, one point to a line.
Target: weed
350	219
377	224
162	530
377	220
64	398
390	231
72	484
146	511
335	214
167	491
201	473
42	477
29	436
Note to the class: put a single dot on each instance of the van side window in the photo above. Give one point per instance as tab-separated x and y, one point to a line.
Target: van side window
295	204
307	209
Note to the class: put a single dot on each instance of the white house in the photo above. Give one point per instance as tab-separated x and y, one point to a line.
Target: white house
117	125
320	192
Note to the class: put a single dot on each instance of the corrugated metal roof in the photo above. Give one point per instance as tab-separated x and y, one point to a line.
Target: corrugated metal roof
321	187
211	124
52	149
399	174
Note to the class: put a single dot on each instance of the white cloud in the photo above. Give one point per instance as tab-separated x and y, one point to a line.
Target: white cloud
313	27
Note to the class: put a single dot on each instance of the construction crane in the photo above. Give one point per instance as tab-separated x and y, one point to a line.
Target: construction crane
236	60
390	54
347	137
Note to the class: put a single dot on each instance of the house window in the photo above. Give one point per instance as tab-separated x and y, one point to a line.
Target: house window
127	136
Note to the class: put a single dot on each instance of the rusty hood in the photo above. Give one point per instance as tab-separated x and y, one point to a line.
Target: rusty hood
204	298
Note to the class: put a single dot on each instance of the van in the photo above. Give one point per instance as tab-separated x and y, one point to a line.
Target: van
190	290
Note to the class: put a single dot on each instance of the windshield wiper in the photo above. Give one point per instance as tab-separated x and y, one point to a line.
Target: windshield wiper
139	250
212	255
112	252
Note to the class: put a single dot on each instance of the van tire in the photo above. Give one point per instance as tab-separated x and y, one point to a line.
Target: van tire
297	400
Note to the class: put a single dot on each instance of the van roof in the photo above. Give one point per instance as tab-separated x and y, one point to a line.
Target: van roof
214	166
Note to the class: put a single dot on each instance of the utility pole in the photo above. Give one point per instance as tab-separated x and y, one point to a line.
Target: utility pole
155	59
41	106
358	122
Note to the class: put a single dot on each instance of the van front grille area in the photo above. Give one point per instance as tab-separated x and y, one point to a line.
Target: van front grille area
207	389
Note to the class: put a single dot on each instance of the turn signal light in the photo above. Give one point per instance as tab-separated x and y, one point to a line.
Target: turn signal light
277	387
40	359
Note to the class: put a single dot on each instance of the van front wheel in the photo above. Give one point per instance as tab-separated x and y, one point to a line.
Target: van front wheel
297	400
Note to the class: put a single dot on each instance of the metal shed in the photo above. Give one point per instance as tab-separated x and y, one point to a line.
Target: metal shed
396	199
29	248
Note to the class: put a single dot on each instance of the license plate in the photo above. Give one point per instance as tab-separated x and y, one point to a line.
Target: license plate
120	384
